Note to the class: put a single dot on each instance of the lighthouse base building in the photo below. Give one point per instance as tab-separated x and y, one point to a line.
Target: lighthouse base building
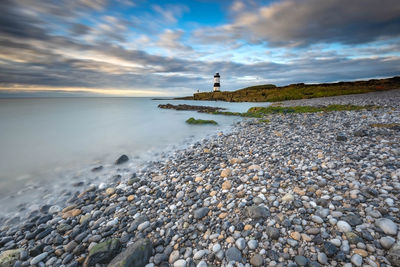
216	82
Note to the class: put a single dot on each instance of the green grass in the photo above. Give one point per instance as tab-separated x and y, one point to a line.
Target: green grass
305	109
194	121
264	121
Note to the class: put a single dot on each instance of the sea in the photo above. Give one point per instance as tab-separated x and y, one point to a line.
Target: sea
48	146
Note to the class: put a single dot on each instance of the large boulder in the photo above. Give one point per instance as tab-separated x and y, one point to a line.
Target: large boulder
136	255
103	252
9	257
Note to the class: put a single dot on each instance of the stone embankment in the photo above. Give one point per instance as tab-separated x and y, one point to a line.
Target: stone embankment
320	189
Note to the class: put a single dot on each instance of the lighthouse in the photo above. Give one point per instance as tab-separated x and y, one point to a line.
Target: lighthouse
216	82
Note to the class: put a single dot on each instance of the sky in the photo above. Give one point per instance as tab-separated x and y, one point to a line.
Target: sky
173	48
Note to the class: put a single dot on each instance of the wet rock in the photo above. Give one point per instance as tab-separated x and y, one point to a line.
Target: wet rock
121	159
136	255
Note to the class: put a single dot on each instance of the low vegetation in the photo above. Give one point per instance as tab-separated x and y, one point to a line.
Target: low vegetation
272	93
199	121
305	109
259	112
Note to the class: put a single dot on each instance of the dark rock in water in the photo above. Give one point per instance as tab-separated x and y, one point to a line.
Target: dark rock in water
394	255
122	159
233	254
78	184
96	169
102	253
200	213
330	249
136	255
257	212
204	109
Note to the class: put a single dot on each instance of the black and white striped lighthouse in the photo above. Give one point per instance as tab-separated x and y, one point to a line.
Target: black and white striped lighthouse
216	82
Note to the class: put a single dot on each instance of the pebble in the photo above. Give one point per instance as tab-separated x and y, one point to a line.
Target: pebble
241	243
39	258
285	193
233	254
180	263
356	260
387	226
343	226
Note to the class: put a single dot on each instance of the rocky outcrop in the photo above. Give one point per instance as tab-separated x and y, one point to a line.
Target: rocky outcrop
203	109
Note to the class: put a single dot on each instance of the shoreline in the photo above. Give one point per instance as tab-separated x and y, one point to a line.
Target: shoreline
315	188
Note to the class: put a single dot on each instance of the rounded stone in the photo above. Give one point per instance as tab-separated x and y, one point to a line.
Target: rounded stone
387	242
256	260
233	254
180	263
241	243
387	226
356	260
252	244
343	226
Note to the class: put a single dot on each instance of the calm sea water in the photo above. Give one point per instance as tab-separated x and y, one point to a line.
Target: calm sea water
47	144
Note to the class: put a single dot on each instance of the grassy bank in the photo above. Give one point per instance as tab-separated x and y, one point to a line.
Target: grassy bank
259	112
272	93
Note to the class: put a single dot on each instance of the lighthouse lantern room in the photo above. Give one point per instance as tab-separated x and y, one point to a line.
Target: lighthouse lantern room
216	82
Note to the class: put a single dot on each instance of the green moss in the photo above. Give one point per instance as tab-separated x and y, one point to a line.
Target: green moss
305	109
194	121
264	121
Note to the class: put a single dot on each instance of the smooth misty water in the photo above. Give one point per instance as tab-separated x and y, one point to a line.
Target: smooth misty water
50	143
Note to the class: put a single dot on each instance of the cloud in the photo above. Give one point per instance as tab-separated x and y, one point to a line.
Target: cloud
305	22
171	13
171	40
50	46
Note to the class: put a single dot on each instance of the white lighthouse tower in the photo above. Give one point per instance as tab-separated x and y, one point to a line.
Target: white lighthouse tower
216	82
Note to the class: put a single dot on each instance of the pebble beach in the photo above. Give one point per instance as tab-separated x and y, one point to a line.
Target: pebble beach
309	189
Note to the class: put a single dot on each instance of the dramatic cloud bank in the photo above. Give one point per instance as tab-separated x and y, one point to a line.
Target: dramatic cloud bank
158	48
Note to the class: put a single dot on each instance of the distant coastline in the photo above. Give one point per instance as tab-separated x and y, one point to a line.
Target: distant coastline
272	93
